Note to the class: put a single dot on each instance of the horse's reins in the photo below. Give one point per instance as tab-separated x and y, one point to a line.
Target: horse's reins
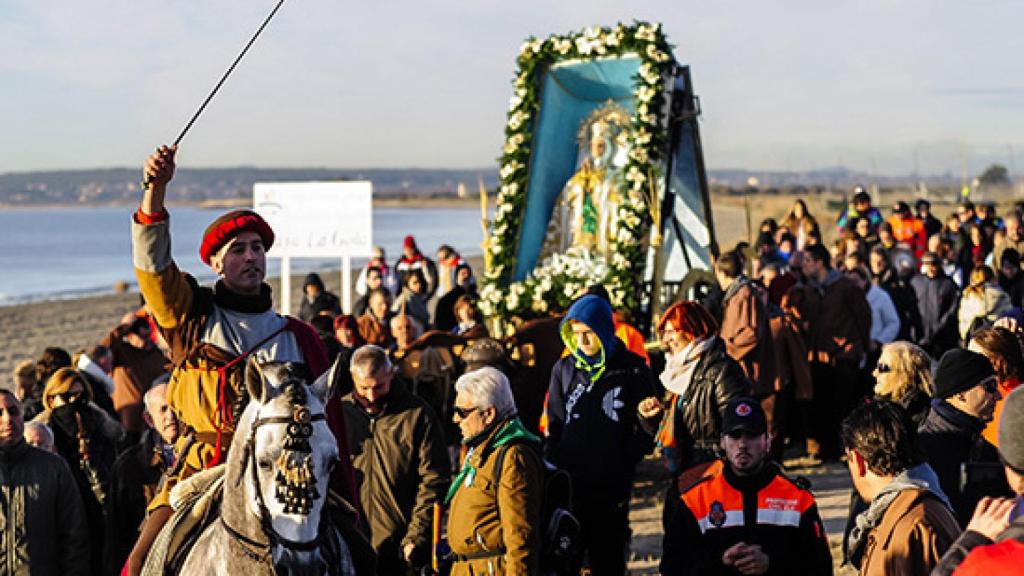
299	425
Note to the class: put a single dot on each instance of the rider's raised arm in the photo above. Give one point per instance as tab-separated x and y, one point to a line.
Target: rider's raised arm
165	288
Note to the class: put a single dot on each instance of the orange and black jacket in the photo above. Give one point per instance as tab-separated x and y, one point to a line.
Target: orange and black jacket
768	509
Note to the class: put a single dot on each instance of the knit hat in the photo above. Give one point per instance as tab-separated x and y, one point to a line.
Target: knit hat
224	229
745	414
409	242
1011	430
960	370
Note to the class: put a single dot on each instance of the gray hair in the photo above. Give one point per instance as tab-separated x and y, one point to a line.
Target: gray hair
488	387
159	387
417	328
42	429
369	359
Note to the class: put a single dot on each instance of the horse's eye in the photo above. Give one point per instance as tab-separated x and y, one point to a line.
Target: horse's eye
266	464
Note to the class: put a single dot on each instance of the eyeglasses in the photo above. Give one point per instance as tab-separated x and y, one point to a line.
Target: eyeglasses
737	434
464	413
883	368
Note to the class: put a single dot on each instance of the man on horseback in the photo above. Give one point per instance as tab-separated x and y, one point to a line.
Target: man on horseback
211	331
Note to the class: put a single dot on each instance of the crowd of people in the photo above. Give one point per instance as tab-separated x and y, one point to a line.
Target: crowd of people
896	350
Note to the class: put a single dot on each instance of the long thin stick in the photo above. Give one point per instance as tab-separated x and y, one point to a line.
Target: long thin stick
226	74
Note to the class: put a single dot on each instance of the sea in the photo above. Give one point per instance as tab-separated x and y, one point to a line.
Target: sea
60	253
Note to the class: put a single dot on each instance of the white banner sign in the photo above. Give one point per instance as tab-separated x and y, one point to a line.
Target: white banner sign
317	219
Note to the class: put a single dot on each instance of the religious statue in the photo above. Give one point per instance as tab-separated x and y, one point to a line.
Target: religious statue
587	213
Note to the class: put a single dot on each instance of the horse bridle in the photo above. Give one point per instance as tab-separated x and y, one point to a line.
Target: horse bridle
296	496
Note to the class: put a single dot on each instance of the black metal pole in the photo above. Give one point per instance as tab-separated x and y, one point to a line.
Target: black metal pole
226	74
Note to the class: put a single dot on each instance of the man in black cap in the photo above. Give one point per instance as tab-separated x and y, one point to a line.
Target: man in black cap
993	542
743	515
966	391
937	303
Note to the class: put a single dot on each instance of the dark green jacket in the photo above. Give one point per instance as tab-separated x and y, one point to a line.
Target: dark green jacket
402	469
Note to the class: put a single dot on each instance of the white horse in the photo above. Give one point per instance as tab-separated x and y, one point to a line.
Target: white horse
275	485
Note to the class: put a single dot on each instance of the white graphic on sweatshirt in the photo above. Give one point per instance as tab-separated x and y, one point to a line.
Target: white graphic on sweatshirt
612	404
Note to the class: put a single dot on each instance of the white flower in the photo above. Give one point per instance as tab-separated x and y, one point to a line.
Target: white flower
642	137
645	94
650	119
639	154
514	102
516	120
583	46
634	175
657	55
540	305
646	33
509	169
496	248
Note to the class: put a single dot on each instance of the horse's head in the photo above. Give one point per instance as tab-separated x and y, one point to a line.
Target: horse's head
289	454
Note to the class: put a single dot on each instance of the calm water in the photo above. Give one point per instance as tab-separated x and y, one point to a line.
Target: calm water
67	252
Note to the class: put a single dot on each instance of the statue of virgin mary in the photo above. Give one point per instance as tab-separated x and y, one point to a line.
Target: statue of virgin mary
586	216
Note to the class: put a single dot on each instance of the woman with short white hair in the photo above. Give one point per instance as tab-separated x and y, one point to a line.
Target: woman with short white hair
495	501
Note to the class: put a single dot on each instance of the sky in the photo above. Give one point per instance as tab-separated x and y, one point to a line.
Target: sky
882	86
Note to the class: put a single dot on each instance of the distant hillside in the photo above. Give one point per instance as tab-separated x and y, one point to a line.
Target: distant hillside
121	185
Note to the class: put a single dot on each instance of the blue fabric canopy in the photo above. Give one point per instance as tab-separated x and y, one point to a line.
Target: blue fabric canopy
570	91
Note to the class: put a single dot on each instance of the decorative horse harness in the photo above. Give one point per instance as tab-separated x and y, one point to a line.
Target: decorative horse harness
296	483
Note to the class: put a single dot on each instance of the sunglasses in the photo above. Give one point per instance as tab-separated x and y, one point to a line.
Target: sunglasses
737	434
67	397
883	368
464	413
991	386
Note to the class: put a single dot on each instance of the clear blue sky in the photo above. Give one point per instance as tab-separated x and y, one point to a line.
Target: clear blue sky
388	83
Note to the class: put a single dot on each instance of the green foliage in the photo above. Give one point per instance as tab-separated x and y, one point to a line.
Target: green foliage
995	175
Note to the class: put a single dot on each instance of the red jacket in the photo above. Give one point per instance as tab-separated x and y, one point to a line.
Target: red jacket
999	558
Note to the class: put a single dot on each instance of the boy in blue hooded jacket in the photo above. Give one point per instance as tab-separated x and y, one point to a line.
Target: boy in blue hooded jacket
593	430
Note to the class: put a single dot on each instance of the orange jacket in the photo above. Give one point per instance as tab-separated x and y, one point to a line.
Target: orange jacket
911	232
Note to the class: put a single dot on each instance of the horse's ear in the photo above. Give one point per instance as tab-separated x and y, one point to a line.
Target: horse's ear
254	378
325	386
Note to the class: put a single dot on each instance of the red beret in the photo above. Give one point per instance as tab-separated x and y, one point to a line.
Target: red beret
229	225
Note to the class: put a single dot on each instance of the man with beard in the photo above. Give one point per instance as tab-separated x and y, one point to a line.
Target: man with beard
399	455
43	526
966	392
744	515
136	475
212	331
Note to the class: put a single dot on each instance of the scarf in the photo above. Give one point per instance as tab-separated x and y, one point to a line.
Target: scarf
679	367
919	477
508	431
676	378
225	298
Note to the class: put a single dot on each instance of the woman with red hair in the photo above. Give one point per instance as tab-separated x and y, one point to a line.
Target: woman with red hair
699	380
